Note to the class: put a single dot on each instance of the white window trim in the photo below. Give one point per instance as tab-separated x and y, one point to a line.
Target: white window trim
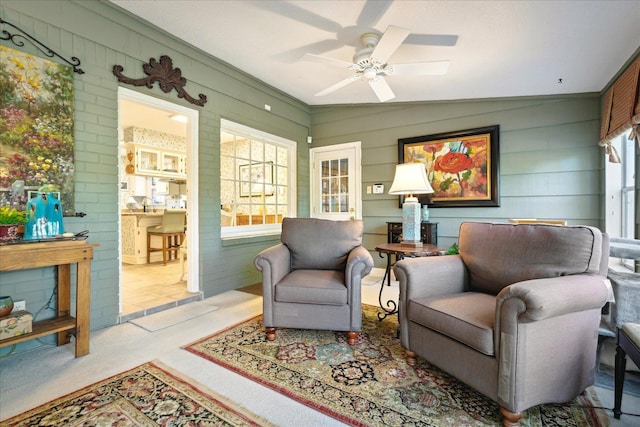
234	232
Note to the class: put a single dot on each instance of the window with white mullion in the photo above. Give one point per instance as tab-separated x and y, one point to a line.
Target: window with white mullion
263	172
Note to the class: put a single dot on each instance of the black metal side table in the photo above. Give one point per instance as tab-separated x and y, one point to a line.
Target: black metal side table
400	251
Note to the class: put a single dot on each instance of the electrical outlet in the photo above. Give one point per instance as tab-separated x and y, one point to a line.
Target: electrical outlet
19	305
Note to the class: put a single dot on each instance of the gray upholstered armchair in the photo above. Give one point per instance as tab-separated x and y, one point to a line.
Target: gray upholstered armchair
312	279
515	315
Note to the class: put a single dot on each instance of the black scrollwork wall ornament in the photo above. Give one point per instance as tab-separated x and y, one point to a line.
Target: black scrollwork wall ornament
162	72
17	39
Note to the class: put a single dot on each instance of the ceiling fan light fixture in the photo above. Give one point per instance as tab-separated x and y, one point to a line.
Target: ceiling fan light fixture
370	73
371	63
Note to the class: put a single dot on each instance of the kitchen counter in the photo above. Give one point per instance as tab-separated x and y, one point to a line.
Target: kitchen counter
158	212
134	236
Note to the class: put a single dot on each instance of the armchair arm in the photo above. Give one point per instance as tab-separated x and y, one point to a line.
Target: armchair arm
430	276
274	263
565	310
359	264
540	299
555	296
425	277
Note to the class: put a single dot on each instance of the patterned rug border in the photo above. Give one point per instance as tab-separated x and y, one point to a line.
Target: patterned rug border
597	413
182	382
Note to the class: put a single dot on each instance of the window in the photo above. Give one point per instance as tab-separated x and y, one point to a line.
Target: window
257	181
628	187
620	184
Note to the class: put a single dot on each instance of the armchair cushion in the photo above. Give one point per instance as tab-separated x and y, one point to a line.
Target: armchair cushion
313	287
317	244
466	317
539	251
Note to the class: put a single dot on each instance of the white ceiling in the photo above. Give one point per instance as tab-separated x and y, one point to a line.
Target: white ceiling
503	48
144	117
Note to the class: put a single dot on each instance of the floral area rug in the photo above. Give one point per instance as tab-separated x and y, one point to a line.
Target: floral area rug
370	384
149	395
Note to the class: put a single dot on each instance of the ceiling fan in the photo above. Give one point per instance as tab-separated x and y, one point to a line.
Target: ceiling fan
370	63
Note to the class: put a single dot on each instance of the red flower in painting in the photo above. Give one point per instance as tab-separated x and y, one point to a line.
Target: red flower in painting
453	163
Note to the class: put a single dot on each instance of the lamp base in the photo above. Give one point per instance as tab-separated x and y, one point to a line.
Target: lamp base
411	223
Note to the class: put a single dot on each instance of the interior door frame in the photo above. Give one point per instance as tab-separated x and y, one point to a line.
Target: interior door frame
357	174
193	278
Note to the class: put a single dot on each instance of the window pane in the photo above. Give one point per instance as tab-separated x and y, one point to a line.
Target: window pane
255	178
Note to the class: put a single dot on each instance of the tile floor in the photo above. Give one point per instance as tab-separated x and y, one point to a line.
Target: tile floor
149	288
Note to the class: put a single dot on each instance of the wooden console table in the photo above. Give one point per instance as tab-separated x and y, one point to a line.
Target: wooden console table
62	254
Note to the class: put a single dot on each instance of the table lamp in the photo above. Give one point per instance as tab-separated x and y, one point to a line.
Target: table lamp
410	179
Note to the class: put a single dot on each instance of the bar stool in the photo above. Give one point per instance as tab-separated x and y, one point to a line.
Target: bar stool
171	232
628	345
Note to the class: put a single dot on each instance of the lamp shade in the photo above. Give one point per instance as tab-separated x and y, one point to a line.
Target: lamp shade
410	178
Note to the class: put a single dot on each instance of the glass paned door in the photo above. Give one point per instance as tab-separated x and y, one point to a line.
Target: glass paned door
335	182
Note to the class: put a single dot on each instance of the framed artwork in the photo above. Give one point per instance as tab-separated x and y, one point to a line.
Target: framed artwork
462	166
256	179
36	142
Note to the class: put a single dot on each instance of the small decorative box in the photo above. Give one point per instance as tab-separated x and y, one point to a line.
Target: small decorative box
16	323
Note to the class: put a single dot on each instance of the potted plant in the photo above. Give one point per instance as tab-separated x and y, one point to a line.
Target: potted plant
11	222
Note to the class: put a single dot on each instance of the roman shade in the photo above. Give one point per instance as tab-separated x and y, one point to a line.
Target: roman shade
621	107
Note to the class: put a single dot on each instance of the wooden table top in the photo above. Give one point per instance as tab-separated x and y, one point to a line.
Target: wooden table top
410	251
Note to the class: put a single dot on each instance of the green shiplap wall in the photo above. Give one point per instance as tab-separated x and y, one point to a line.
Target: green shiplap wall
101	36
550	163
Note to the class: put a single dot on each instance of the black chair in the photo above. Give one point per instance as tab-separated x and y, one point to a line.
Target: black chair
628	345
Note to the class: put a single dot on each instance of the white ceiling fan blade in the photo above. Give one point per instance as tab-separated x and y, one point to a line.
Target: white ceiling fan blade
432	39
390	41
372	12
382	89
338	85
420	68
326	60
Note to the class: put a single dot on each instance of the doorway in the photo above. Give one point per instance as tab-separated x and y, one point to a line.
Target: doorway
147	125
336	182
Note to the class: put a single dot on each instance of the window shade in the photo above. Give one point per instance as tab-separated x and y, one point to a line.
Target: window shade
621	106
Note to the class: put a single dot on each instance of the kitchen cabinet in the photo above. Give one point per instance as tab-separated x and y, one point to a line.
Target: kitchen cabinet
158	162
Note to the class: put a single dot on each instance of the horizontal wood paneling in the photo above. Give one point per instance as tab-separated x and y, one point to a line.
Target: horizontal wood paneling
550	164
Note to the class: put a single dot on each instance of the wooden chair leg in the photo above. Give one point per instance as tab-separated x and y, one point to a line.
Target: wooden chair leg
510	419
164	248
271	333
411	357
352	337
148	248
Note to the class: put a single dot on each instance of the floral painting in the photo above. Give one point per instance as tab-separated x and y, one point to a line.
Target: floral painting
462	166
36	128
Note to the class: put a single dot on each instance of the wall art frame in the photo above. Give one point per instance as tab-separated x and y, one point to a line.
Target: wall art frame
256	179
462	166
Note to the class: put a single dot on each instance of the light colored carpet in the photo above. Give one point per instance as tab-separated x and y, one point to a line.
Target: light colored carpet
175	316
